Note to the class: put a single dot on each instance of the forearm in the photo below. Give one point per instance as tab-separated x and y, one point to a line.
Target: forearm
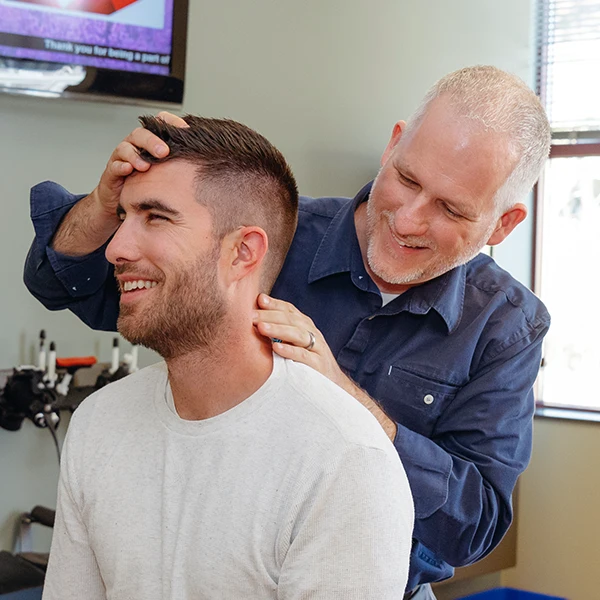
463	478
84	228
371	405
460	514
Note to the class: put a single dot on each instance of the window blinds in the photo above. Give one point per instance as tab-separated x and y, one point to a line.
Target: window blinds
568	63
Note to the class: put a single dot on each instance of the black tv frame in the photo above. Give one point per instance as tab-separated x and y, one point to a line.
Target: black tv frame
125	86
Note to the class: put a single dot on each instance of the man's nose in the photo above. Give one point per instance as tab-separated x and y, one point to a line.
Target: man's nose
412	216
124	246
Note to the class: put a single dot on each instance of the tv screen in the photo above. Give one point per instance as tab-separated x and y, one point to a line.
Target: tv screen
105	49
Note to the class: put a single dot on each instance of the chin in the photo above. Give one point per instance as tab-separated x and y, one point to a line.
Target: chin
396	276
126	326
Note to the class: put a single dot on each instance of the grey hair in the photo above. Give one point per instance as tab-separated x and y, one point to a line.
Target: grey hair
503	103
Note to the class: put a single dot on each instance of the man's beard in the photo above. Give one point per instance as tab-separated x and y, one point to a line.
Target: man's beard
186	316
402	275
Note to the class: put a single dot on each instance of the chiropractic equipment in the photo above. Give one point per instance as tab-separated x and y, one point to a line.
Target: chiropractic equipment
39	392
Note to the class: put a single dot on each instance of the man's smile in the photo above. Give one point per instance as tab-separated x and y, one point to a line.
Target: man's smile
133	287
128	286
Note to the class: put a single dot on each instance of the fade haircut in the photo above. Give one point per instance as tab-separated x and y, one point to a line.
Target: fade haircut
503	103
242	179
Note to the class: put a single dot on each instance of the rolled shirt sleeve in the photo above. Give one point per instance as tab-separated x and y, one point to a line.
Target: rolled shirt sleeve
82	284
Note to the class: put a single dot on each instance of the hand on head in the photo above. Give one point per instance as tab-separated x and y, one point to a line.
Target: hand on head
126	159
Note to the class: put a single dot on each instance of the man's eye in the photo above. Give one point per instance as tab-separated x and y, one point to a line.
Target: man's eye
407	181
155	217
450	212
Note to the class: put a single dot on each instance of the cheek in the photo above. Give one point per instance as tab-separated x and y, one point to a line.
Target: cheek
156	252
449	237
162	254
459	239
169	245
393	194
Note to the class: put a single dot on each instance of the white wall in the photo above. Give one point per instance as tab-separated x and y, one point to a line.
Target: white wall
325	80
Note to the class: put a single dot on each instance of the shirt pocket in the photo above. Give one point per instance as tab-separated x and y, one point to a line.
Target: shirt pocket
412	400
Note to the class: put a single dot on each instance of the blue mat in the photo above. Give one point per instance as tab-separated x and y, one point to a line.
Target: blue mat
509	594
30	594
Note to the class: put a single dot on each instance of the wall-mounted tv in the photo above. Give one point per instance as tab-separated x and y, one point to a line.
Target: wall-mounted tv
127	50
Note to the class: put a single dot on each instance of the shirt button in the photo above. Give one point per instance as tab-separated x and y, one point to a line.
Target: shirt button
428	399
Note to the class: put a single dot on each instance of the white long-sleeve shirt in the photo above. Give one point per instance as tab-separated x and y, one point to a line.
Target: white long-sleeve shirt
296	493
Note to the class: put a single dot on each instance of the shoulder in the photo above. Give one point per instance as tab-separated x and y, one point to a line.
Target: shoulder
316	220
509	317
329	413
486	280
117	403
326	207
315	216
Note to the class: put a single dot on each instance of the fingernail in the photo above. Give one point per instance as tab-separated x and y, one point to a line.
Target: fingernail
265	299
266	326
161	150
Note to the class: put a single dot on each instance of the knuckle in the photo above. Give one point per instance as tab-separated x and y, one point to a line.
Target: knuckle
121	149
136	133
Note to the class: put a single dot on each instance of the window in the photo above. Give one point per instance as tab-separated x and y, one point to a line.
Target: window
568	202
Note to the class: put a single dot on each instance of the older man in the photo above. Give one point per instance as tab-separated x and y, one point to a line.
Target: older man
397	306
227	471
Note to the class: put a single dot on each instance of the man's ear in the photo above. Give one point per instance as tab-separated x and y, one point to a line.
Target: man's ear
506	223
248	247
396	135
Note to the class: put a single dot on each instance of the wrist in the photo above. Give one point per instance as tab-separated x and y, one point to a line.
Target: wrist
343	381
389	426
85	228
101	212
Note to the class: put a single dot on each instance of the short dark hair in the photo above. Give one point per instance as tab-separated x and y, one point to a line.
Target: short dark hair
243	180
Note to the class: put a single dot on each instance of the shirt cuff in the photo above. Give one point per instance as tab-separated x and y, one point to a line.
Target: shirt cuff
81	275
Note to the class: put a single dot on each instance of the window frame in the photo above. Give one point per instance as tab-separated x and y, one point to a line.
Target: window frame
565	144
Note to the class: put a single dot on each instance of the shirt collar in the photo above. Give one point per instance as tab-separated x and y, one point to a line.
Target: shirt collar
445	294
339	252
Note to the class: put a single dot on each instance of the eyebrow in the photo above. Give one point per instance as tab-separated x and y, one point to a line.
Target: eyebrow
150	204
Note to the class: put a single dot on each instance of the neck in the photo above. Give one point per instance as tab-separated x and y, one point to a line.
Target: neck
210	381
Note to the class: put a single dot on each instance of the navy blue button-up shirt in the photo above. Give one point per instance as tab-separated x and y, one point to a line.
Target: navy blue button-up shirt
451	361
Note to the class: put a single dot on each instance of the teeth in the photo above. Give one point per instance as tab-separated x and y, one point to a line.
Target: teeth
129	286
